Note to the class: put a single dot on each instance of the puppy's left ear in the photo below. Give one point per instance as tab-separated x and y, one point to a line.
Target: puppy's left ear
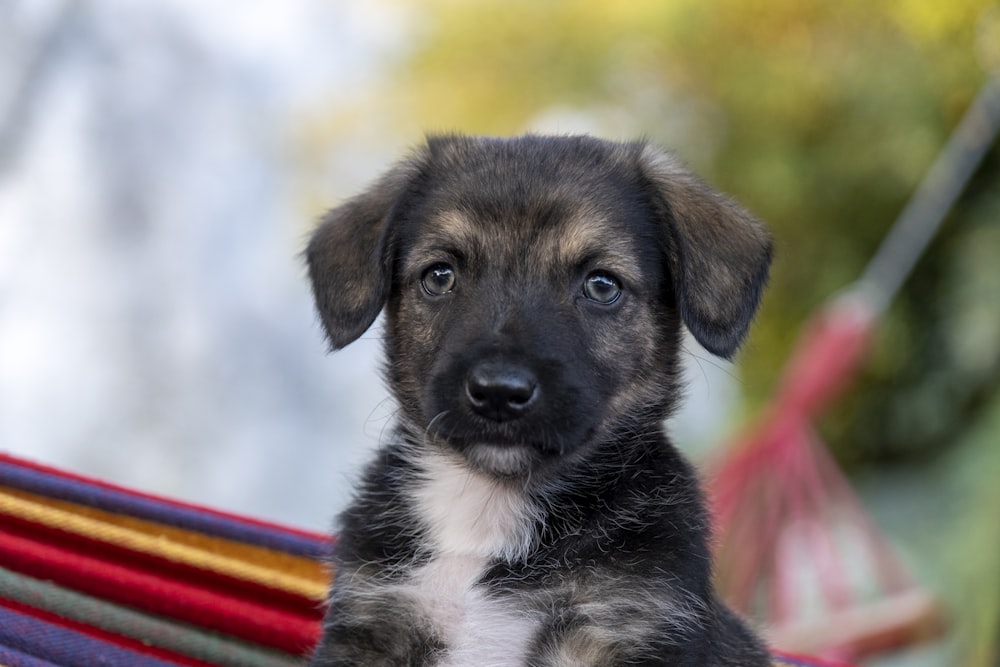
719	254
350	254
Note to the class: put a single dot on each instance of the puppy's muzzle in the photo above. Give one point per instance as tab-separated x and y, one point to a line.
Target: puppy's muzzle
501	391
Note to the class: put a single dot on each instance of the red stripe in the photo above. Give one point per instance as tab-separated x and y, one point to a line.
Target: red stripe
107	552
103	635
255	623
6	458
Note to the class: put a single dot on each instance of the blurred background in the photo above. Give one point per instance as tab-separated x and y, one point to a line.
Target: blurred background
162	163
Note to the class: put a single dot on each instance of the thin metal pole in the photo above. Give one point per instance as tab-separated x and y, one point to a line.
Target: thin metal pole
934	197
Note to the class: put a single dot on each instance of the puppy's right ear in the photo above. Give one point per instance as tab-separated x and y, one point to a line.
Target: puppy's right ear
719	254
350	253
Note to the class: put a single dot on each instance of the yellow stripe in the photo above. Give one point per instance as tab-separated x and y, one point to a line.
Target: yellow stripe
276	570
278	560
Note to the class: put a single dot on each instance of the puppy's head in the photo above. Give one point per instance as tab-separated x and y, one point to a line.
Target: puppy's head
534	289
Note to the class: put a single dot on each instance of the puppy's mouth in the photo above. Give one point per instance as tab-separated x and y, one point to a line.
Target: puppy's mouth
505	460
509	449
498	454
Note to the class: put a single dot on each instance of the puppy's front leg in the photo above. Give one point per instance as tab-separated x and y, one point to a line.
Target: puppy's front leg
375	629
593	646
587	649
636	625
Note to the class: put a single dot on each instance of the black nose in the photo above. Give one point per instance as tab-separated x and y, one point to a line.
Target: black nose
501	391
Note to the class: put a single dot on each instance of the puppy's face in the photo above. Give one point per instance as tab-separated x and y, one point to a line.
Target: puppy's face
530	310
534	290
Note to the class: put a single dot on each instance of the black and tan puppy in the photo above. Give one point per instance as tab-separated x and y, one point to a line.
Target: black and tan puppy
528	509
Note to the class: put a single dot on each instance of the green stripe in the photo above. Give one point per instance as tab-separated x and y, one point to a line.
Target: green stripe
151	630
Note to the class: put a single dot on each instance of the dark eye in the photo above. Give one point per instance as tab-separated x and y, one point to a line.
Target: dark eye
602	287
438	279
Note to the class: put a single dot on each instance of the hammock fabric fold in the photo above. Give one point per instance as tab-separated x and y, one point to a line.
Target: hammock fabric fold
93	574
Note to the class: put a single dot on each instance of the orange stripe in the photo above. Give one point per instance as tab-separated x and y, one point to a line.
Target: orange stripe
274	569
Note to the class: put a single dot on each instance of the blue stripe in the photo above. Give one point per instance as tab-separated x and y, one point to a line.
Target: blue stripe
118	502
794	662
63	647
11	658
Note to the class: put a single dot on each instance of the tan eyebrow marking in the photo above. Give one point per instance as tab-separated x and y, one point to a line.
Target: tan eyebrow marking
588	236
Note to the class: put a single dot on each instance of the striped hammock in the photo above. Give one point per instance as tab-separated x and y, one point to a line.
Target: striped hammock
92	574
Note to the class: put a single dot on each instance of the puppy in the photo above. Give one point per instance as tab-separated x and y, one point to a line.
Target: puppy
528	508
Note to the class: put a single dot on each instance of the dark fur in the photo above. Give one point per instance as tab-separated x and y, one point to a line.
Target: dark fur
616	565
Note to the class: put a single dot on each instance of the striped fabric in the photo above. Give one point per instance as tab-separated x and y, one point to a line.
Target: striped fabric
92	574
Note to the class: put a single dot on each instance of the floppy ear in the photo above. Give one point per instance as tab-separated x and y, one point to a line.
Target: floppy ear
350	254
719	255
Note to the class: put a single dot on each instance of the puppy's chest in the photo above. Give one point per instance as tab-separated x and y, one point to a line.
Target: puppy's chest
470	521
476	627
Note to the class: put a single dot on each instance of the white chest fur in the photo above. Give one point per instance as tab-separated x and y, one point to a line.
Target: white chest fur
471	521
470	514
